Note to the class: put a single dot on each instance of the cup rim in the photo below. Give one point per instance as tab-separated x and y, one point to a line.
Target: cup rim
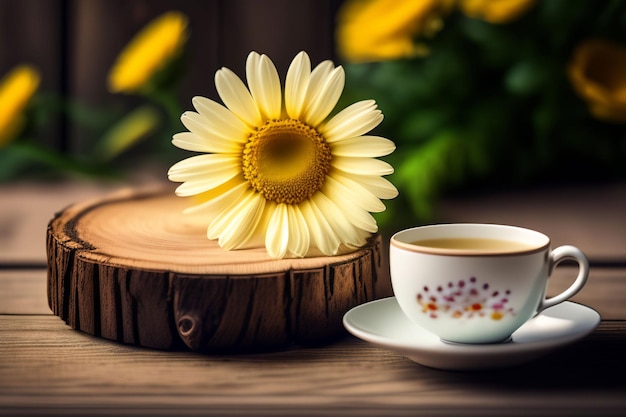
399	239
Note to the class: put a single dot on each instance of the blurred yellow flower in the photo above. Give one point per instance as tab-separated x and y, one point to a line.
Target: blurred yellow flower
495	11
598	73
16	90
148	52
378	30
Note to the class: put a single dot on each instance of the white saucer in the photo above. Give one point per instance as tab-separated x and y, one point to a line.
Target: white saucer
383	323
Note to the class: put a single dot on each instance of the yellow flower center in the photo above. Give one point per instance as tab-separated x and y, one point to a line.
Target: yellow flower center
286	161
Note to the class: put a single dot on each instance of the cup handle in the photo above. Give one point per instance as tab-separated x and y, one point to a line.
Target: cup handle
558	255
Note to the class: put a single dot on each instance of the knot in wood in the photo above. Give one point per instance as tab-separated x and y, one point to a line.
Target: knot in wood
186	325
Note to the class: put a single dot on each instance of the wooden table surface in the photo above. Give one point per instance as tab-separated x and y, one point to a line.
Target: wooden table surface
46	368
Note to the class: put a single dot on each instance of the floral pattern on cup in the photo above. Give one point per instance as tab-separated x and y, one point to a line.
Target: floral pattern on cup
465	298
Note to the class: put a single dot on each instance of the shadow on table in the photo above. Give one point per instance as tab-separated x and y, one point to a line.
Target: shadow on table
597	362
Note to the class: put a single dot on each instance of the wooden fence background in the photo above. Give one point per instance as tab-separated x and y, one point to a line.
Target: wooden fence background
74	42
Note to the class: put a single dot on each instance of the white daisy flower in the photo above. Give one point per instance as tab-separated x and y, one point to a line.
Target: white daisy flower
277	173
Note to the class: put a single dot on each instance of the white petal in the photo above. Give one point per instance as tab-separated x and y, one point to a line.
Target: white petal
338	220
319	75
296	85
196	182
277	237
299	238
200	162
258	236
355	120
194	187
363	236
363	146
342	196
221	200
203	143
190	188
201	126
356	193
361	166
321	234
220	121
378	186
241	226
236	97
325	100
227	217
203	172
264	84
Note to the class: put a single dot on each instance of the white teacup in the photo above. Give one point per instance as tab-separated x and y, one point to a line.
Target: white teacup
476	283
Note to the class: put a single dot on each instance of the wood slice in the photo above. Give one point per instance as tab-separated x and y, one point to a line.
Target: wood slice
132	268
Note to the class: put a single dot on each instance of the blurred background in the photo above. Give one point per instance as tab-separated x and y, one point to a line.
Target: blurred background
73	45
477	94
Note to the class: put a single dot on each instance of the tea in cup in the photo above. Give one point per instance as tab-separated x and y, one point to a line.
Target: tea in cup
476	283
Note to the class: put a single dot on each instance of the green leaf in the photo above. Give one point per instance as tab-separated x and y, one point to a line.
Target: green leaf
524	78
426	170
19	155
129	131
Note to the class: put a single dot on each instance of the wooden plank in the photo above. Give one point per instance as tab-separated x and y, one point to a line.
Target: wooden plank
604	290
27	207
82	374
23	292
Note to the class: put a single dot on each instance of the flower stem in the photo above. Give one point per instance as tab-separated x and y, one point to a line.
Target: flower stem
57	160
168	101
